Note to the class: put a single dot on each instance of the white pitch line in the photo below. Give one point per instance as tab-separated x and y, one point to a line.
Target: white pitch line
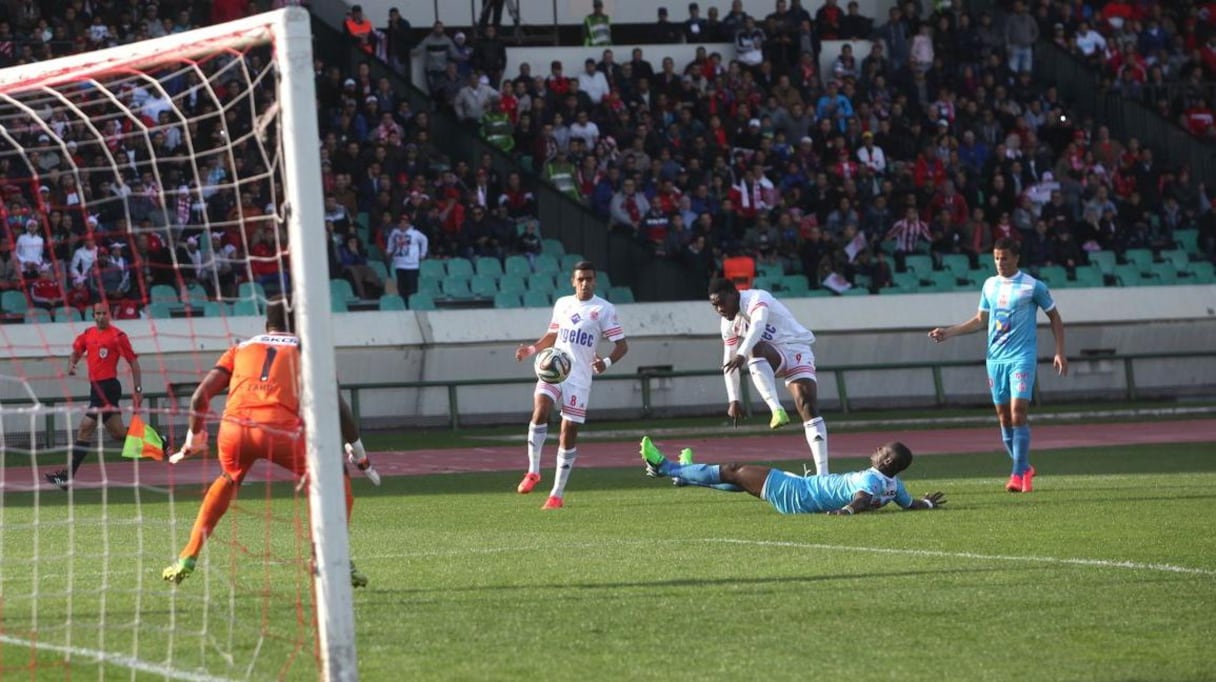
115	659
1095	563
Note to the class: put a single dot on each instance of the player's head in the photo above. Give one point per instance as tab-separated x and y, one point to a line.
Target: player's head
278	315
892	458
101	314
724	297
1005	253
583	279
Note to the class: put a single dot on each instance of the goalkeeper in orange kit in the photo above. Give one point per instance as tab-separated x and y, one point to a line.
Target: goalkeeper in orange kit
261	420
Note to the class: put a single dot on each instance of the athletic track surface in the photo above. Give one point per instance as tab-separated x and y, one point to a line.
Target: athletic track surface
786	444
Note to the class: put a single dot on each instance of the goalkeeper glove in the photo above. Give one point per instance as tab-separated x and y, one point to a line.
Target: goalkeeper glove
357	456
196	443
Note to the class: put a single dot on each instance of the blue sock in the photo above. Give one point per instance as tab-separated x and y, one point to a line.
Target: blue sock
1021	449
1007	437
696	474
726	487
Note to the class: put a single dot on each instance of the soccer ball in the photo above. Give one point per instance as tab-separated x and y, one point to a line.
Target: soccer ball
552	365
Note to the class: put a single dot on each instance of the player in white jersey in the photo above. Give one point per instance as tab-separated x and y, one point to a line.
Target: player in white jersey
760	332
578	323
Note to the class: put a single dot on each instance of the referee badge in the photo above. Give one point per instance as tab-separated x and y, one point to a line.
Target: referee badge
103	352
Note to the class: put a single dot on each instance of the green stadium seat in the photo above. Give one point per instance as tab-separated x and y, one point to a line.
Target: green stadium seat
459	268
940	280
508	299
765	283
68	314
1178	257
512	283
862	281
163	293
1088	276
563	287
546	263
483	286
541	281
1164	273
421	301
431	269
246	307
536	299
1187	240
908	281
1055	276
602	281
819	293
341	290
1141	258
568	261
980	275
795	285
898	289
488	267
14	303
620	295
957	263
162	310
552	247
856	291
1129	275
217	309
1105	260
770	270
430	286
517	265
338	304
920	264
379	268
374	253
392	302
38	316
457	288
1202	272
194	293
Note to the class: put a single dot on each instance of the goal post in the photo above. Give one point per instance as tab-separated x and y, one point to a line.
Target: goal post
175	351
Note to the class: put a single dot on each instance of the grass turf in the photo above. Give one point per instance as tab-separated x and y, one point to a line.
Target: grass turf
1106	572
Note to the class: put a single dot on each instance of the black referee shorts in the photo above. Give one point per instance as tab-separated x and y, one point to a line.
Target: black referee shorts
103	399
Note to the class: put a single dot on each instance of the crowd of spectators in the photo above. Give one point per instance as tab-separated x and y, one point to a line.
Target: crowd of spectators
1163	53
928	133
925	134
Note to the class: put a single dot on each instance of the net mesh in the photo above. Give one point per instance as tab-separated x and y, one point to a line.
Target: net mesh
155	187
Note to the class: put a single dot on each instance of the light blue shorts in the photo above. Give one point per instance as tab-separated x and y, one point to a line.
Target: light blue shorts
1009	381
789	493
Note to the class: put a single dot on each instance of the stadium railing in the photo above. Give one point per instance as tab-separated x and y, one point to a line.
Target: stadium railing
1126	118
172	400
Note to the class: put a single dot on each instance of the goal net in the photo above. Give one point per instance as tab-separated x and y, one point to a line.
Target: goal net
163	183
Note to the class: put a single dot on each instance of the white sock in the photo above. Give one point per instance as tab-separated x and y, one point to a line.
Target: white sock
537	433
817	438
765	382
565	462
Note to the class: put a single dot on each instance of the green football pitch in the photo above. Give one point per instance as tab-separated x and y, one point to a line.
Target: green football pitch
1106	572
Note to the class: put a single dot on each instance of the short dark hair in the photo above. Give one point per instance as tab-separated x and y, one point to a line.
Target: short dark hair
279	315
902	453
1008	244
721	285
584	265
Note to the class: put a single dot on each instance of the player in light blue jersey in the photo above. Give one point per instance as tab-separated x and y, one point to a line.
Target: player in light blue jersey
789	493
1009	305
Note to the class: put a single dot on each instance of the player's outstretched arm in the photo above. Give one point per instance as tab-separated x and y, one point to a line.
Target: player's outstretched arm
619	349
200	403
355	452
970	326
933	500
860	502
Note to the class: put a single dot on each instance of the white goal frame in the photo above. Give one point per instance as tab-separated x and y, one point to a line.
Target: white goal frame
289	32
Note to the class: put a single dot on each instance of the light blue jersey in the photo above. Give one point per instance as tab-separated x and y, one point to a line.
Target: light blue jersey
1012	304
793	494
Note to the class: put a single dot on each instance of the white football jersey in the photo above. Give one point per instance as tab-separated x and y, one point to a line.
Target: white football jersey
579	326
781	329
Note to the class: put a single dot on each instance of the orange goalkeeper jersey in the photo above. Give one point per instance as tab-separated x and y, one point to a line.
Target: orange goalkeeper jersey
264	378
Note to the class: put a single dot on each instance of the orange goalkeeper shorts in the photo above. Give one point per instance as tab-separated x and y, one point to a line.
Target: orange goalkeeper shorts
241	443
